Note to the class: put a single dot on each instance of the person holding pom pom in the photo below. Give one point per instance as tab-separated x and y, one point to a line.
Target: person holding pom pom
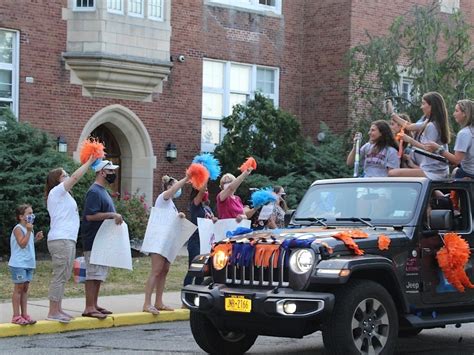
198	208
160	266
230	205
62	236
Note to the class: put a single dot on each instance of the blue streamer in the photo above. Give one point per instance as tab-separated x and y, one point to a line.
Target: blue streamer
262	197
210	163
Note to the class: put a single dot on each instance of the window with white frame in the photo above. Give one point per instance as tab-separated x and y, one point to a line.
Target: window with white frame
262	5
155	9
405	88
135	8
115	6
9	63
226	84
84	5
449	6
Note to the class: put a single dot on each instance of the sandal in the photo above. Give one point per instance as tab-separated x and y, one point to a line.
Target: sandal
60	318
164	308
29	319
152	310
19	320
103	310
94	314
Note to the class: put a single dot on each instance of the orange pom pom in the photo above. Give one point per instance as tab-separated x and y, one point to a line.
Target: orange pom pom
198	175
383	242
452	259
91	146
250	163
346	238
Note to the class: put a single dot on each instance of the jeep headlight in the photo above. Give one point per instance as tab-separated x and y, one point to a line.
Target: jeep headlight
301	261
219	260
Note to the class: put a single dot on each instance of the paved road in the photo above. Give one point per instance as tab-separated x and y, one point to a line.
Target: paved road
176	338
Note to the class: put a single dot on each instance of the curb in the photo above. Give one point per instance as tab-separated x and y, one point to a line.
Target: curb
83	323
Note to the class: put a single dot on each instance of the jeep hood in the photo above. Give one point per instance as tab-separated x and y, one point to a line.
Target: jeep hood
325	235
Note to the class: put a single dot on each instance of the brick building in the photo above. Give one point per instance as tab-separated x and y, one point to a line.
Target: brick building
145	75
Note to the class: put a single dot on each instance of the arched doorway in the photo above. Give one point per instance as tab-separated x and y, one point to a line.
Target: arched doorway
127	138
112	149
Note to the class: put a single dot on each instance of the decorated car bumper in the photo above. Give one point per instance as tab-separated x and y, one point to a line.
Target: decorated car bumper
279	302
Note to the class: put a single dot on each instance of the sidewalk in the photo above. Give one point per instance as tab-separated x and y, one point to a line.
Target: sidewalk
126	308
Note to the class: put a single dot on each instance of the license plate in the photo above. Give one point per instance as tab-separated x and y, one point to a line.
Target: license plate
238	304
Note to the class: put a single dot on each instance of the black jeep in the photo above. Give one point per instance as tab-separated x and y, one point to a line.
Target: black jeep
361	303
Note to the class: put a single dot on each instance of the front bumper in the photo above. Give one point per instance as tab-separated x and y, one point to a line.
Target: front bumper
268	314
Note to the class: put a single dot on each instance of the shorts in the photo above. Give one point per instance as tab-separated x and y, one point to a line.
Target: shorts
93	271
21	275
436	175
461	174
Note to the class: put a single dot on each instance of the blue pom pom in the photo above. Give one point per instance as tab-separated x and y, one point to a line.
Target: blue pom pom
262	197
95	163
212	164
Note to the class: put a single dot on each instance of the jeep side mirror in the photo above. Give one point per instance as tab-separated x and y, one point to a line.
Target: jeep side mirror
441	220
288	216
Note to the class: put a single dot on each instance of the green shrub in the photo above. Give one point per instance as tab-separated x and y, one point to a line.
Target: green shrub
27	154
135	213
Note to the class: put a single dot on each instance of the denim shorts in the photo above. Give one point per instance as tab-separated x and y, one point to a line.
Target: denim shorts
21	275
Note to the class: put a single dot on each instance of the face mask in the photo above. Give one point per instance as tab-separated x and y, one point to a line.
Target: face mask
205	197
110	178
30	218
177	194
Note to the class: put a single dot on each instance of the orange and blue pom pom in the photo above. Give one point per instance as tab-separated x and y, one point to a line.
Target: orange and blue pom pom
210	163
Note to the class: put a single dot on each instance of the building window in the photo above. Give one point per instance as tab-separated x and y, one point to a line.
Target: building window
84	5
226	84
262	5
449	6
9	64
155	9
135	8
115	6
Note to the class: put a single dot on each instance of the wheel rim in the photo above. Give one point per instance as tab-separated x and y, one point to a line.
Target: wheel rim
370	326
231	336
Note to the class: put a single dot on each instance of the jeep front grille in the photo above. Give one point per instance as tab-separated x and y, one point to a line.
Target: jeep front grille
259	276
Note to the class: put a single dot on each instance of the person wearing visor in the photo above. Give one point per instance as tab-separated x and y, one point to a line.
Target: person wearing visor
62	236
98	207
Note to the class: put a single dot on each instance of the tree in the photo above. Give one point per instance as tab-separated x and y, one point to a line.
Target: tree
438	54
27	154
284	156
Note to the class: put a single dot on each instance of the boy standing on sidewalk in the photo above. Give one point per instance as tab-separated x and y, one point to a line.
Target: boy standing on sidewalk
97	208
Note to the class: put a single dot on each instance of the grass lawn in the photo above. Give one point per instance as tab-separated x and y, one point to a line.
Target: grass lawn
118	282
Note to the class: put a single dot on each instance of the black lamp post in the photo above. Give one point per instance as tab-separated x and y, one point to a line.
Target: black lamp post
171	152
62	145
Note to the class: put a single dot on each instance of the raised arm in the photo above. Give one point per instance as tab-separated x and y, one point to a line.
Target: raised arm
172	190
76	176
234	185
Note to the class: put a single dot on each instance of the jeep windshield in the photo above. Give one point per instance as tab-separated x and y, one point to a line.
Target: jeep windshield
380	203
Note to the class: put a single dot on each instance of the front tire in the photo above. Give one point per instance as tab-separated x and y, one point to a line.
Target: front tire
364	320
214	341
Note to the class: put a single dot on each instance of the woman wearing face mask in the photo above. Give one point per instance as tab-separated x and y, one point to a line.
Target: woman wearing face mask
230	205
198	208
62	236
159	264
280	207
